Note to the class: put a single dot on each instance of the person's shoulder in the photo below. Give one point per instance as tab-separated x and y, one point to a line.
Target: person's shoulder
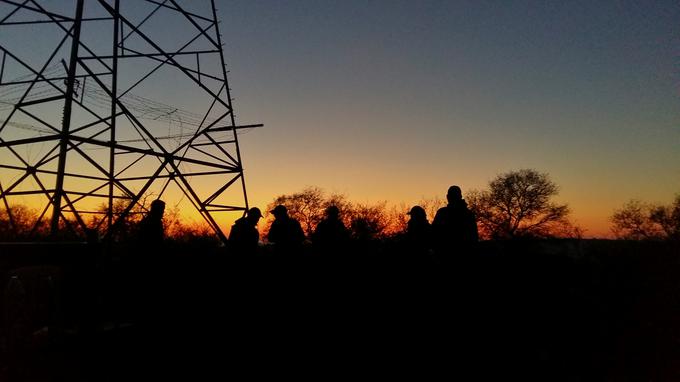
295	225
471	214
242	225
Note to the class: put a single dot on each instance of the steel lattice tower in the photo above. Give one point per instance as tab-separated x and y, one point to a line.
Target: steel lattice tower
105	105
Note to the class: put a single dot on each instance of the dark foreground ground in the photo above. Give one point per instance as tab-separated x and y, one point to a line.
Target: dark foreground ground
544	310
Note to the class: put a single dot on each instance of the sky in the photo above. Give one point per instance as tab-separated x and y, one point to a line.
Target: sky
397	100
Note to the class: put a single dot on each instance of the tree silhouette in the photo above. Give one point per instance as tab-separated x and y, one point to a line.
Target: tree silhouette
23	224
518	204
668	217
638	220
125	227
369	222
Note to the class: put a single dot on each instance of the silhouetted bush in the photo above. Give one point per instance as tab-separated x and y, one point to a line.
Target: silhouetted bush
637	220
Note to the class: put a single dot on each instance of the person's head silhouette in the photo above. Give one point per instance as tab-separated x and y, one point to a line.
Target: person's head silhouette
280	211
454	194
332	213
417	213
254	215
151	230
157	208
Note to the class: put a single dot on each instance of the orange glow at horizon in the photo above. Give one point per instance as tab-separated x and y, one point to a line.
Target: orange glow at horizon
395	103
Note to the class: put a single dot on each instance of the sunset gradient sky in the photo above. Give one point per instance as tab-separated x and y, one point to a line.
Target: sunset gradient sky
397	100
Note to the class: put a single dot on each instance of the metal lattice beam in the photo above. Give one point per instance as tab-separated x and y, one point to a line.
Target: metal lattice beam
114	149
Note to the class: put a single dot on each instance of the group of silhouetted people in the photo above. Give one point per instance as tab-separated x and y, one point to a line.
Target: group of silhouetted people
286	234
453	229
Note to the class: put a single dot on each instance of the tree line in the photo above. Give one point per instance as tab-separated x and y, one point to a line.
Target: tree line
516	204
638	220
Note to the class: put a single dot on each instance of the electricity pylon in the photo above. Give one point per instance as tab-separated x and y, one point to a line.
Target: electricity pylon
105	104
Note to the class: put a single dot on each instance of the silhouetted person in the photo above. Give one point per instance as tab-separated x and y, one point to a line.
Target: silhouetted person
150	229
285	233
330	234
454	226
146	262
418	236
244	236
